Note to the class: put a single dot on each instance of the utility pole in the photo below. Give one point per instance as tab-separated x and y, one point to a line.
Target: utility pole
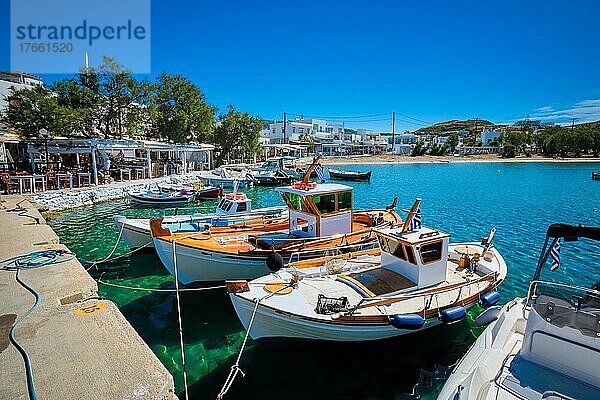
284	124
393	130
573	123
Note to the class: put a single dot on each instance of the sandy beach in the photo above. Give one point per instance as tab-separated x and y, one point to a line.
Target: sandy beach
395	159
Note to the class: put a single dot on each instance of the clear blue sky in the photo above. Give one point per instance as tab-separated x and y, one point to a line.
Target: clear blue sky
433	61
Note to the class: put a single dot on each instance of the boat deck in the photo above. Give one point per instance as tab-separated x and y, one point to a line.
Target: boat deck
530	380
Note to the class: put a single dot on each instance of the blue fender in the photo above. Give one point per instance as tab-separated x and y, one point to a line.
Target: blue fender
453	314
407	321
489	299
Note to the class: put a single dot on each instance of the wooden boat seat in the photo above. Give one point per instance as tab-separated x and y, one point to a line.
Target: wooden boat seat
380	281
276	242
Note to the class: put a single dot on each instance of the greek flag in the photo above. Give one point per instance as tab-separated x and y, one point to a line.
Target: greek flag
415	222
555	254
319	171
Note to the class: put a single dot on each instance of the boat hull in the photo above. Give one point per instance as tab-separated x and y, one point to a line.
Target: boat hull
135	236
271	324
156	200
194	265
344	176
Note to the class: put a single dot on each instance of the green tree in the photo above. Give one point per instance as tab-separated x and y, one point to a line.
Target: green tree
452	140
237	131
182	113
30	110
419	149
309	140
509	151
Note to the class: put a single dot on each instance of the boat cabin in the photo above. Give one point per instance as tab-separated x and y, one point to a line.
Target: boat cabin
234	203
420	255
318	209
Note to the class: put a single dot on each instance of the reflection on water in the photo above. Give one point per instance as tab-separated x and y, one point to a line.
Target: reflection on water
465	199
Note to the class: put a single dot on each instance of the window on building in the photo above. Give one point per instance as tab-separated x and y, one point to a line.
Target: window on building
293	130
300	130
431	252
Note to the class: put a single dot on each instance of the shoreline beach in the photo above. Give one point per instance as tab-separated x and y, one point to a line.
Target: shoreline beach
395	159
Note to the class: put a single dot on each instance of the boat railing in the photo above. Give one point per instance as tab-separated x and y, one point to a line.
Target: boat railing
376	301
329	251
534	287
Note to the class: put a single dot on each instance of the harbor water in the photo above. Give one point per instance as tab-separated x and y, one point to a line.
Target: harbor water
464	199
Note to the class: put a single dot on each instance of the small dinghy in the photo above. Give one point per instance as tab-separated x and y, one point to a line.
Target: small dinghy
339	175
543	346
596	176
158	198
414	281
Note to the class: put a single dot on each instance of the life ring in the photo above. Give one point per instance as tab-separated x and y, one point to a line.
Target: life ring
235	196
304	185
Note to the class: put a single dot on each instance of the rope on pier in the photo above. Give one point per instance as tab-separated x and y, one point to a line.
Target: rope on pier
32	260
158	290
235	368
179	320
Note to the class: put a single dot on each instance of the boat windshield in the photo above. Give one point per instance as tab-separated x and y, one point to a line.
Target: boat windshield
293	200
325	203
344	201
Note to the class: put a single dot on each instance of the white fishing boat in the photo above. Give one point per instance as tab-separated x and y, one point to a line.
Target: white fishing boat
222	177
159	198
544	346
232	208
417	280
321	220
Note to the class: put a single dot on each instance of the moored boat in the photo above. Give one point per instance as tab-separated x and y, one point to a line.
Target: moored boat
159	198
232	208
321	219
416	280
543	346
596	176
337	174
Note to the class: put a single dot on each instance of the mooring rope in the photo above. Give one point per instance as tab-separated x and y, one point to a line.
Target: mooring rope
94	263
158	290
179	320
235	368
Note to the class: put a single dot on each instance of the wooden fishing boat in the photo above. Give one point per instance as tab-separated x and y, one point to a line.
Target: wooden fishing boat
232	208
596	176
158	198
416	280
337	174
543	346
321	219
208	192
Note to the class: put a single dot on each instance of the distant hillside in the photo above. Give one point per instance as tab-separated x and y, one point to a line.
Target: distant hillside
444	128
593	125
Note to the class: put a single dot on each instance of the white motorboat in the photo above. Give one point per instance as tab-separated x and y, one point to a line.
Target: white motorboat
544	346
232	208
222	177
417	280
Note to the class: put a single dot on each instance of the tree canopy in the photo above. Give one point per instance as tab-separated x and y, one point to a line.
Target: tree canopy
109	102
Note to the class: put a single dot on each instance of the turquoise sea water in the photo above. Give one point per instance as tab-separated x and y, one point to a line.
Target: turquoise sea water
464	199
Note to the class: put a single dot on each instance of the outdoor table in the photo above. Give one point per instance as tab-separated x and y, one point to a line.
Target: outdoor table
35	179
84	175
65	176
22	179
139	171
126	171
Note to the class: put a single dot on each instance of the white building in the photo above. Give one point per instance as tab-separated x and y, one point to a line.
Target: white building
488	136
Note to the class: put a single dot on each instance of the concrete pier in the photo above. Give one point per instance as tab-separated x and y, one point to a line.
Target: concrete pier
80	347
